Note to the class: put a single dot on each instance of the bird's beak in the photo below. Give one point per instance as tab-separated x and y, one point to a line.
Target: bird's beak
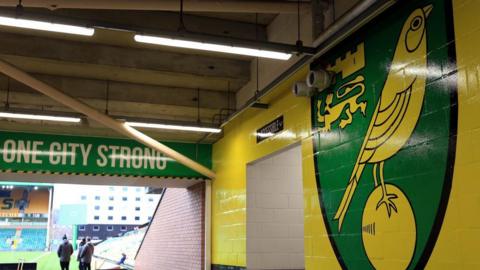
427	10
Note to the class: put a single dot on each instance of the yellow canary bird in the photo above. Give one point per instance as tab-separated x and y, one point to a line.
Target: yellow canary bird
397	110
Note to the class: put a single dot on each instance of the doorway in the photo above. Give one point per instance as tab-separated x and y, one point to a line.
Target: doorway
275	220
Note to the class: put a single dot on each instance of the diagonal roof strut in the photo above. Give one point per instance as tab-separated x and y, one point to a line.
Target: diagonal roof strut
122	128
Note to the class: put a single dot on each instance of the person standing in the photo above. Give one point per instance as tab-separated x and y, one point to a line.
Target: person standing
79	251
65	250
87	254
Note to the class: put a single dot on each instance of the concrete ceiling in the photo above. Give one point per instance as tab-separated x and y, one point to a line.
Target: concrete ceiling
113	73
143	81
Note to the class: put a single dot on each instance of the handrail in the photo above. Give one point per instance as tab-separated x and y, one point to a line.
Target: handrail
124	266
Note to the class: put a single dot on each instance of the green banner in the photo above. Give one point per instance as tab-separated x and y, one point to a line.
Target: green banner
95	155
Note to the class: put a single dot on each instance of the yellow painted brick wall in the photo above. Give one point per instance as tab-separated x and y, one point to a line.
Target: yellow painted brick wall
457	244
230	157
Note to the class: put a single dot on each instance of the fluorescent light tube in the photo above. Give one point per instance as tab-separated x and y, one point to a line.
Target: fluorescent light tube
46	26
40	117
173	127
211	47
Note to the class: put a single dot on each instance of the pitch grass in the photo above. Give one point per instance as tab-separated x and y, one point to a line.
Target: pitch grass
45	260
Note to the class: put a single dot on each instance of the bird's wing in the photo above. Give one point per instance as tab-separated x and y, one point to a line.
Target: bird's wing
385	123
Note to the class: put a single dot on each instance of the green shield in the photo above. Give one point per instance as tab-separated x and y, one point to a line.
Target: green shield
384	137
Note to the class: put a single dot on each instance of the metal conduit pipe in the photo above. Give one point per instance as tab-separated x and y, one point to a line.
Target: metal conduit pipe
356	17
289	7
23	77
353	16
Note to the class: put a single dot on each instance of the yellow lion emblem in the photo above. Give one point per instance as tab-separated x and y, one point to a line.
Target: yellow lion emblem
350	105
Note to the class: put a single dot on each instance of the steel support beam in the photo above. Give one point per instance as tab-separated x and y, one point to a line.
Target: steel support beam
135	65
104	119
289	7
121	93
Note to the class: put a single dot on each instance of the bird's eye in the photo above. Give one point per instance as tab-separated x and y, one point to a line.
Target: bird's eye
416	23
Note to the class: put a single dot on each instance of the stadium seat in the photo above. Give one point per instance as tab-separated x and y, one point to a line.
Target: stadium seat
32	240
5	238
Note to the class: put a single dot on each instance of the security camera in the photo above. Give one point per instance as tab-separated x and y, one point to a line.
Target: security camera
300	89
319	79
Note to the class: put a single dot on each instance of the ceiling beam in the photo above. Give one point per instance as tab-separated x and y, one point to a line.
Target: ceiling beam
163	21
98	131
114	73
146	21
87	60
153	182
102	118
127	92
254	37
170	5
19	100
322	16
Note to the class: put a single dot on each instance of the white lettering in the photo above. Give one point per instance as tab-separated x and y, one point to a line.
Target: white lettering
9	151
113	155
161	161
125	156
73	152
23	151
102	161
137	157
35	151
54	158
85	153
149	158
64	153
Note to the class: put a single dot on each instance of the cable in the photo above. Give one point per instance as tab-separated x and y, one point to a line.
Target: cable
107	95
299	42
228	95
7	101
198	105
256	39
181	26
19	9
298	19
333	11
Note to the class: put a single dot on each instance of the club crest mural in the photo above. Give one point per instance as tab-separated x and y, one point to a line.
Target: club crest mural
383	182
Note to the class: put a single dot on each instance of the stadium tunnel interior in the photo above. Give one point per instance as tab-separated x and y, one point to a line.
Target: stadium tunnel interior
233	135
120	221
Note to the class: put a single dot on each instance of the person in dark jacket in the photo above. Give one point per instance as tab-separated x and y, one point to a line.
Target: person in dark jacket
80	246
65	250
122	259
86	255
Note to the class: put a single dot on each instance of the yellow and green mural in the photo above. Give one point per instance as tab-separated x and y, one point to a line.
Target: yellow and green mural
390	151
384	172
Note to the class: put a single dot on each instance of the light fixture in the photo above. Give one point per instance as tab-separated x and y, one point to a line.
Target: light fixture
46	26
204	46
39	117
173	127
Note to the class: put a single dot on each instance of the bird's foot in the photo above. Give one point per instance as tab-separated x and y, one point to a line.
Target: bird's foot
387	199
